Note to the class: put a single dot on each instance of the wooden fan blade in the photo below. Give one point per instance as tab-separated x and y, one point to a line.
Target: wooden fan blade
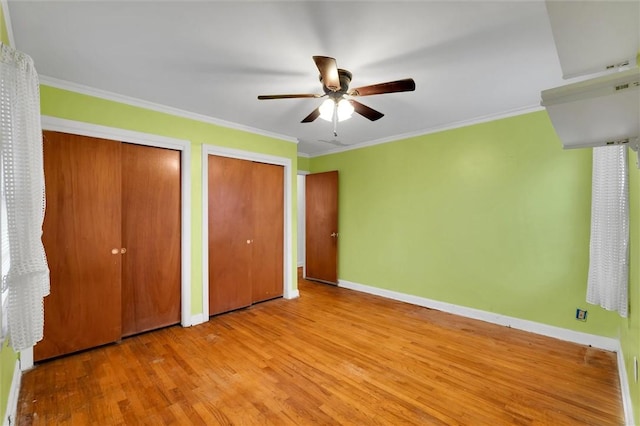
406	85
301	95
328	71
365	111
311	117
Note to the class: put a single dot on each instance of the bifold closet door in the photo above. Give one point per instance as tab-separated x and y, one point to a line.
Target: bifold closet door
267	272
151	238
246	232
230	233
112	237
81	236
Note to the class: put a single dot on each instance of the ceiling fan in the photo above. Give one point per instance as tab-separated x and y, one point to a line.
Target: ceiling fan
339	104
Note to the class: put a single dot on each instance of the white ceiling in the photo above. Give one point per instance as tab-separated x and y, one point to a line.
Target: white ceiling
471	60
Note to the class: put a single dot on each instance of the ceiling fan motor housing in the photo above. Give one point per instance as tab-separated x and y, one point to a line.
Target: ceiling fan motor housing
345	78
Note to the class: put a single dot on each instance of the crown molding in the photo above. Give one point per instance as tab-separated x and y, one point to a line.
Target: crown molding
140	103
103	94
435	129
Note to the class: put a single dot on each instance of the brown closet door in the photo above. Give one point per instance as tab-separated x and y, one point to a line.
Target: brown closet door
268	231
150	237
230	233
81	229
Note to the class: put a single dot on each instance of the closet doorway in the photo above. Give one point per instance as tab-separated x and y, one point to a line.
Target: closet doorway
246	232
146	139
112	237
255	198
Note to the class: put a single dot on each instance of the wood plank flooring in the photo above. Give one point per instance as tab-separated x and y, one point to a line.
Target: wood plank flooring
333	356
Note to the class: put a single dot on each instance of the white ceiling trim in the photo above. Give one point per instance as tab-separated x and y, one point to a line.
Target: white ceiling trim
437	129
103	94
7	22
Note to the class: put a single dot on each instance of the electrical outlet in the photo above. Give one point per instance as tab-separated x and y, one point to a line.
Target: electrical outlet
581	314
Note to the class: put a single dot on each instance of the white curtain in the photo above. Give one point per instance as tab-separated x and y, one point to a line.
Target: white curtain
21	138
608	255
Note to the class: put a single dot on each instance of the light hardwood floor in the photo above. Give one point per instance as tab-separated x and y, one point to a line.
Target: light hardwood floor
333	356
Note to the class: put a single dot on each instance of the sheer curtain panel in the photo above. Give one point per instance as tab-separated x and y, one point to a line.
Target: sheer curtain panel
608	253
21	137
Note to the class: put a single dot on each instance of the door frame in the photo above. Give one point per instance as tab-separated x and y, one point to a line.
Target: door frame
288	291
302	226
139	138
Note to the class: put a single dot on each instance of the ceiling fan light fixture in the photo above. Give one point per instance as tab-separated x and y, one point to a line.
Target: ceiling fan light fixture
345	110
343	106
326	109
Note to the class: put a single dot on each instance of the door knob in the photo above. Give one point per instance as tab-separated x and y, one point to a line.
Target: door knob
115	251
123	250
334	234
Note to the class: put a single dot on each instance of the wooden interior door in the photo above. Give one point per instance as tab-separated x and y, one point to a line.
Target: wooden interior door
151	284
82	240
230	233
267	271
321	246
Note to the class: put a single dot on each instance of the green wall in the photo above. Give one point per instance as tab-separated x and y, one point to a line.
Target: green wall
7	355
494	216
7	368
74	106
304	163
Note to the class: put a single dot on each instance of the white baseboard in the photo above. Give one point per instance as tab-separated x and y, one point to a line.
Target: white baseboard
520	324
293	294
26	359
198	319
12	402
627	403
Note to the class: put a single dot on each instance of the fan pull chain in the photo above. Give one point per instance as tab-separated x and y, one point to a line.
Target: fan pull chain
335	119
